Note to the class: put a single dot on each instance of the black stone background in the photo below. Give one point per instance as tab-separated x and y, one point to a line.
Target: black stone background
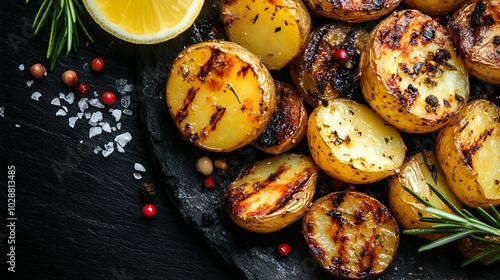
79	213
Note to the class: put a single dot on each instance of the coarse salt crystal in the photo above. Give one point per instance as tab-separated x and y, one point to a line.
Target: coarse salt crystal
2	112
97	149
96	117
108	149
113	128
70	98
125	101
72	121
82	104
95	102
139	167
55	101
30	83
137	176
96	94
17	125
61	95
65	108
45	72
127	112
123	139
21	67
88	115
61	112
105	126
119	125
128	88
79	115
117	114
36	95
93	131
81	141
120	149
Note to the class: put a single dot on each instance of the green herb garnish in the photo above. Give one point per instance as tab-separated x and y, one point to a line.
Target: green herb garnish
64	26
460	224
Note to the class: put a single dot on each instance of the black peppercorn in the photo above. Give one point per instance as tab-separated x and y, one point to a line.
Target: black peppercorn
432	100
148	190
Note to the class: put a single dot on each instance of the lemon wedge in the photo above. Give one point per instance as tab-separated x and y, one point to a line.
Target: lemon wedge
144	21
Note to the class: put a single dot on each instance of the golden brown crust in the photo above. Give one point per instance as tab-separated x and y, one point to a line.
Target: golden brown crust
434	7
317	75
288	124
475	29
352	11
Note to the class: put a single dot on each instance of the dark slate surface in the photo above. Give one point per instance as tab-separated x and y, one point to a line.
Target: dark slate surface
78	213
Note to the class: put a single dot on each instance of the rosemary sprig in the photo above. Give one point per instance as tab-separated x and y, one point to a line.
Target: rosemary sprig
64	26
459	225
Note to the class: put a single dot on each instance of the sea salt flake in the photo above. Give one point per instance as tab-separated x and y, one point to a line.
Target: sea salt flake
61	112
127	112
97	149
65	108
79	115
96	94
117	114
96	117
123	139
55	101
105	126
61	95
81	141
139	167
17	125
30	83
95	102
108	149
88	115
93	131
137	176
2	112
21	67
70	98
128	88
119	125
125	101
120	149
36	95
45	72
72	121
120	84
113	128
82	104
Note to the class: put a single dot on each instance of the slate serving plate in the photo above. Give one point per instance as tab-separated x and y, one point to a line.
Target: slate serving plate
254	255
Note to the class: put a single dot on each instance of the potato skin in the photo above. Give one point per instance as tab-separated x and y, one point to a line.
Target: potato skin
351	234
274	30
434	7
220	95
415	173
469	248
467	150
351	143
270	194
475	30
410	73
317	75
352	11
288	125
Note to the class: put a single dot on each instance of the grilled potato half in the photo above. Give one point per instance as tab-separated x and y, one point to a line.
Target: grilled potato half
351	143
274	30
434	7
268	195
220	95
470	248
288	124
475	29
410	73
468	152
415	173
317	75
351	234
351	10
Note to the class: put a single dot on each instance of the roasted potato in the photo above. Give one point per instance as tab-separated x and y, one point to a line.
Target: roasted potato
351	143
469	248
410	73
434	7
274	30
220	95
415	173
467	149
288	124
475	30
351	235
268	195
351	10
317	75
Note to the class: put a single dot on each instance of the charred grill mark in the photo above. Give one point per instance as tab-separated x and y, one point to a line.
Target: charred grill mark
183	112
209	65
293	189
338	199
468	152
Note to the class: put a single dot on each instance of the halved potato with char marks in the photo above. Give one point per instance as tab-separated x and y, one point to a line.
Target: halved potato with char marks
268	195
475	29
415	173
434	7
468	150
317	75
411	74
274	30
288	124
351	234
352	10
351	143
220	95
